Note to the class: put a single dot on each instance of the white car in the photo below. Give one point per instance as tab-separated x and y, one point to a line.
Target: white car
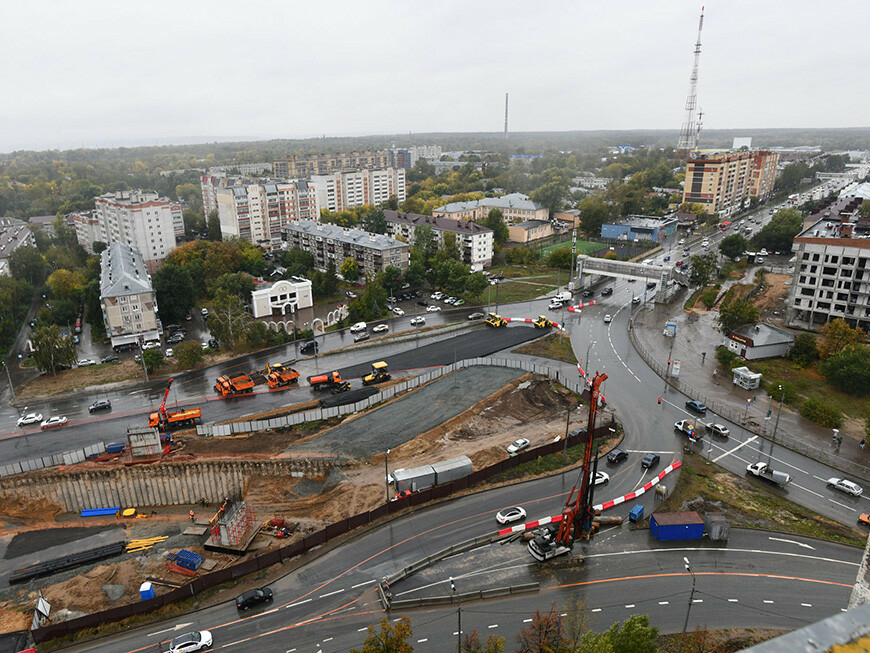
381	327
84	362
436	295
359	326
518	445
30	418
720	429
198	640
53	422
418	320
601	477
432	309
204	345
450	300
508	515
682	240
170	353
844	485
398	311
607	318
150	345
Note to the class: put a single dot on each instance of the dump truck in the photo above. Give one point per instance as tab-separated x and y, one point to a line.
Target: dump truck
380	373
495	320
278	376
543	322
763	470
166	421
328	379
691	427
228	386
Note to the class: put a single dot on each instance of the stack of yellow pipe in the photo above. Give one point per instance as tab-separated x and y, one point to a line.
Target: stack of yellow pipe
143	544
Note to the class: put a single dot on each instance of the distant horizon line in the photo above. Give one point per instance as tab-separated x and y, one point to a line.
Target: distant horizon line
114	144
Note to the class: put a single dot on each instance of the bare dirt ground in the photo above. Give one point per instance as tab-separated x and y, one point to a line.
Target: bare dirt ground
530	406
771	301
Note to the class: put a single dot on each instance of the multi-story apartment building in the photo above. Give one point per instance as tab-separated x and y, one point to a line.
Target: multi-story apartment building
324	164
723	182
407	157
144	220
831	276
475	241
344	190
330	243
14	233
514	207
127	297
256	211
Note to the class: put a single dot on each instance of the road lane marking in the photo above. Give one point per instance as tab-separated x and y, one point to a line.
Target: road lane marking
723	551
493	626
168	630
843	505
697	600
525	621
742	444
421	641
323	596
664	602
732	601
596	610
368	582
768	601
328	639
629	606
780	539
807	605
293	605
359	630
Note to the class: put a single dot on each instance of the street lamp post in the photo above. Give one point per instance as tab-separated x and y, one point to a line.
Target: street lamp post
586	361
387	473
691	600
458	616
9	376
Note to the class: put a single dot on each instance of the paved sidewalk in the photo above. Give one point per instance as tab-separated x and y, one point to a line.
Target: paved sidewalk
696	335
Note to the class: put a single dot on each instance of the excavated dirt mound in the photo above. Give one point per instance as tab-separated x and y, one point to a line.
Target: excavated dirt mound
771	301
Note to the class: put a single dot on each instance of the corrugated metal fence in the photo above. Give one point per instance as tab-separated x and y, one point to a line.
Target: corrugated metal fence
65	458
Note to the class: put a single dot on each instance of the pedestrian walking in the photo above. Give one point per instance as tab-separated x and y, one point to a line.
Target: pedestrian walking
862	444
191	515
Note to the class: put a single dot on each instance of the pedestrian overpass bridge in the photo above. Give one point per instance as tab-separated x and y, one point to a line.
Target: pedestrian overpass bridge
591	269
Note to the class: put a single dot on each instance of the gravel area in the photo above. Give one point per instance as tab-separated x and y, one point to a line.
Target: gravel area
389	426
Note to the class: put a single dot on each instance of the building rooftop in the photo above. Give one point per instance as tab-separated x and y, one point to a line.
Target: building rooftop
643	221
267	285
13	234
123	272
836	220
512	201
530	224
353	236
443	224
764	334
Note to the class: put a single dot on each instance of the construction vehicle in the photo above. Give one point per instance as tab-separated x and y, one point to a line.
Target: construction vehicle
543	322
763	470
495	320
228	386
179	419
577	516
329	380
380	373
344	386
278	376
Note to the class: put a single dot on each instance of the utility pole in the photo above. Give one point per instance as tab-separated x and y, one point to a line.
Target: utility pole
458	616
9	376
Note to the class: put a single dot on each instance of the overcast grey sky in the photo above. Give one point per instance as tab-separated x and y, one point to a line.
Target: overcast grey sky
116	73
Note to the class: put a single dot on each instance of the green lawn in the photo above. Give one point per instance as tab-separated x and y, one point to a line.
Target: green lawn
583	246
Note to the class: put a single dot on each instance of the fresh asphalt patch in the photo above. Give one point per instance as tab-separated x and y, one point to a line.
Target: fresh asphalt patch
33	541
479	342
417	412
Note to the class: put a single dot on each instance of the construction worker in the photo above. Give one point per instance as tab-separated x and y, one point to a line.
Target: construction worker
191	515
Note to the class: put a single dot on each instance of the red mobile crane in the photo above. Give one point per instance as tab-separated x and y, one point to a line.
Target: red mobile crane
577	516
170	421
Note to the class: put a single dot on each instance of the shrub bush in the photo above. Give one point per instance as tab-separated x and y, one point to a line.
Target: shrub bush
849	370
726	358
771	386
821	413
708	297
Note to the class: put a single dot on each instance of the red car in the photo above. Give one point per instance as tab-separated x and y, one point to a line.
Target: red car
401	495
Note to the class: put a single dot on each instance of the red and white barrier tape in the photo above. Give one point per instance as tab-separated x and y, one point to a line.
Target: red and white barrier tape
602	506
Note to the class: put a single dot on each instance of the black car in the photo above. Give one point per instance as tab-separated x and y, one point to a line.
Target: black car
100	404
697	406
650	285
423	302
253	598
617	456
588	293
109	358
606	292
125	347
308	347
650	460
214	344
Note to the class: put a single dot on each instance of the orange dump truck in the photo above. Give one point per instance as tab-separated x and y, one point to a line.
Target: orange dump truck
281	377
228	386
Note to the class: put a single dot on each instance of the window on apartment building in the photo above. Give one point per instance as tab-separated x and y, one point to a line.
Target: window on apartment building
122	300
126	318
815	257
813	269
135	307
848	260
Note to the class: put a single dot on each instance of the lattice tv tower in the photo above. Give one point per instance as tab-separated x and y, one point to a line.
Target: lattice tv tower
690	132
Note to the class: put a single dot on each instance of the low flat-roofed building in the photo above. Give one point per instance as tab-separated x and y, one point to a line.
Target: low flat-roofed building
282	297
526	232
639	227
754	341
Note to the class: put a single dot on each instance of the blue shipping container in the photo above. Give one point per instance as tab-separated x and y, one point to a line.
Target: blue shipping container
676	526
115	447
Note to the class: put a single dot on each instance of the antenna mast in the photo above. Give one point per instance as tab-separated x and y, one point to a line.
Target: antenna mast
691	130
